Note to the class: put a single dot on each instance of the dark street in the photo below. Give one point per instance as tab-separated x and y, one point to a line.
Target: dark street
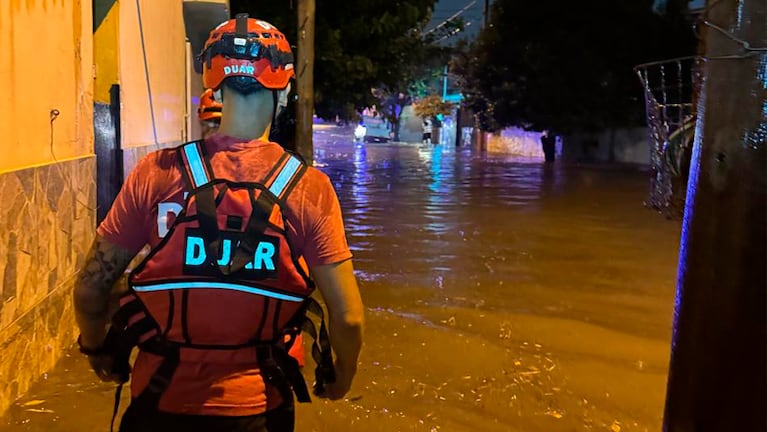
502	294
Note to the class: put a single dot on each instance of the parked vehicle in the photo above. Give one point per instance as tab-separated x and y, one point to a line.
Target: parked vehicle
377	129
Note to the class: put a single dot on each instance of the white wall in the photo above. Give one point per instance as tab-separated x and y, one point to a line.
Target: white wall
516	141
165	41
628	146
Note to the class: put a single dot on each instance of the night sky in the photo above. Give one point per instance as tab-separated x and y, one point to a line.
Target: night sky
473	15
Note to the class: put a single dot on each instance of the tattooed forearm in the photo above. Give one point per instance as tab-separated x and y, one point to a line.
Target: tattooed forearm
103	267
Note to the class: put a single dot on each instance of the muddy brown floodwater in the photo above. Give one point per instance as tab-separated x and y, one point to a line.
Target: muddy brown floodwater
502	295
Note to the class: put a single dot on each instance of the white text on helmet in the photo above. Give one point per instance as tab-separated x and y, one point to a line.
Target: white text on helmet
265	25
239	69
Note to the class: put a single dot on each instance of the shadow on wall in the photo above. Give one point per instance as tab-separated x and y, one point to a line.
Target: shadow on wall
629	146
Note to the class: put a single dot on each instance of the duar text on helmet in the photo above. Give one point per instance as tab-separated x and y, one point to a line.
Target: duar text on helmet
247	47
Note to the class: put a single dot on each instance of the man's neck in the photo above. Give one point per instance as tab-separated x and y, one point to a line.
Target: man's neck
245	117
245	132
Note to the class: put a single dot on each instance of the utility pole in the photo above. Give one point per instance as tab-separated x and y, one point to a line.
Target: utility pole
480	137
718	371
305	79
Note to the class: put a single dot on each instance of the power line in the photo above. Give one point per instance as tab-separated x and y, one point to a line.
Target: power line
455	15
451	34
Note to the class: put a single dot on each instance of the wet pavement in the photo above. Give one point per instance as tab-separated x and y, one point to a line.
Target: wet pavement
502	295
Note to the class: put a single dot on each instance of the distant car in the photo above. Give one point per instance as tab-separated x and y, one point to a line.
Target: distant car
376	129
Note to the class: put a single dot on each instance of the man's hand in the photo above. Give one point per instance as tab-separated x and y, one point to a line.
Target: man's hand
103	365
338	389
338	287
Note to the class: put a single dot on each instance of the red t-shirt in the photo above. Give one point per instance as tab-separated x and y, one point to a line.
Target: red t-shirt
153	194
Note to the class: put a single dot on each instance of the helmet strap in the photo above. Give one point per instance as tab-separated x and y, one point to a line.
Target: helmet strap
276	99
241	26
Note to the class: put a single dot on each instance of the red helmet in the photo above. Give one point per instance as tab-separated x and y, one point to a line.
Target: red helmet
247	47
209	108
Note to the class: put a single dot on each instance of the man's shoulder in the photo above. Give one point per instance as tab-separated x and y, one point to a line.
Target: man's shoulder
153	172
312	188
315	177
158	159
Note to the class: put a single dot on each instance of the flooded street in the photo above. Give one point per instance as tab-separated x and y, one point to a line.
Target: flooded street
502	295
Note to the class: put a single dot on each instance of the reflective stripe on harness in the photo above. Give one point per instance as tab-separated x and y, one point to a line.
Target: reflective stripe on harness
217	285
287	173
269	351
196	165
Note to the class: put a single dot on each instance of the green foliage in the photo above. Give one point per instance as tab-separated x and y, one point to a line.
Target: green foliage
359	46
432	106
567	66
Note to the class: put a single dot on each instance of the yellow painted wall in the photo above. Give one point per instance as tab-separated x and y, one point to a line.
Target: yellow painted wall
164	39
46	58
47	217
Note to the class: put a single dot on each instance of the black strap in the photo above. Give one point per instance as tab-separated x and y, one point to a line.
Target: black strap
149	399
118	395
241	25
122	317
184	166
283	372
276	99
131	335
259	217
206	199
262	207
324	373
206	215
184	314
257	223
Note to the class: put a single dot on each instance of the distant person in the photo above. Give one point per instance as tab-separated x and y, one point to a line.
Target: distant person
427	129
360	131
549	143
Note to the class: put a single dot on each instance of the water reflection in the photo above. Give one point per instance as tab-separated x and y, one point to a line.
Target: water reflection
469	243
503	294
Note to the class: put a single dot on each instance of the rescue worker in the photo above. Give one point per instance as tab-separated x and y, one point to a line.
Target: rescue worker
236	225
209	113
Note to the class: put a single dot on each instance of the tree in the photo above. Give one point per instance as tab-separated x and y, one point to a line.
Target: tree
360	46
432	106
566	66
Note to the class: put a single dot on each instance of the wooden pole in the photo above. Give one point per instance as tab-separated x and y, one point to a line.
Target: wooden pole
718	372
305	79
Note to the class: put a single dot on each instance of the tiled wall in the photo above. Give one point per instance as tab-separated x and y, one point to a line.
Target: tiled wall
47	222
